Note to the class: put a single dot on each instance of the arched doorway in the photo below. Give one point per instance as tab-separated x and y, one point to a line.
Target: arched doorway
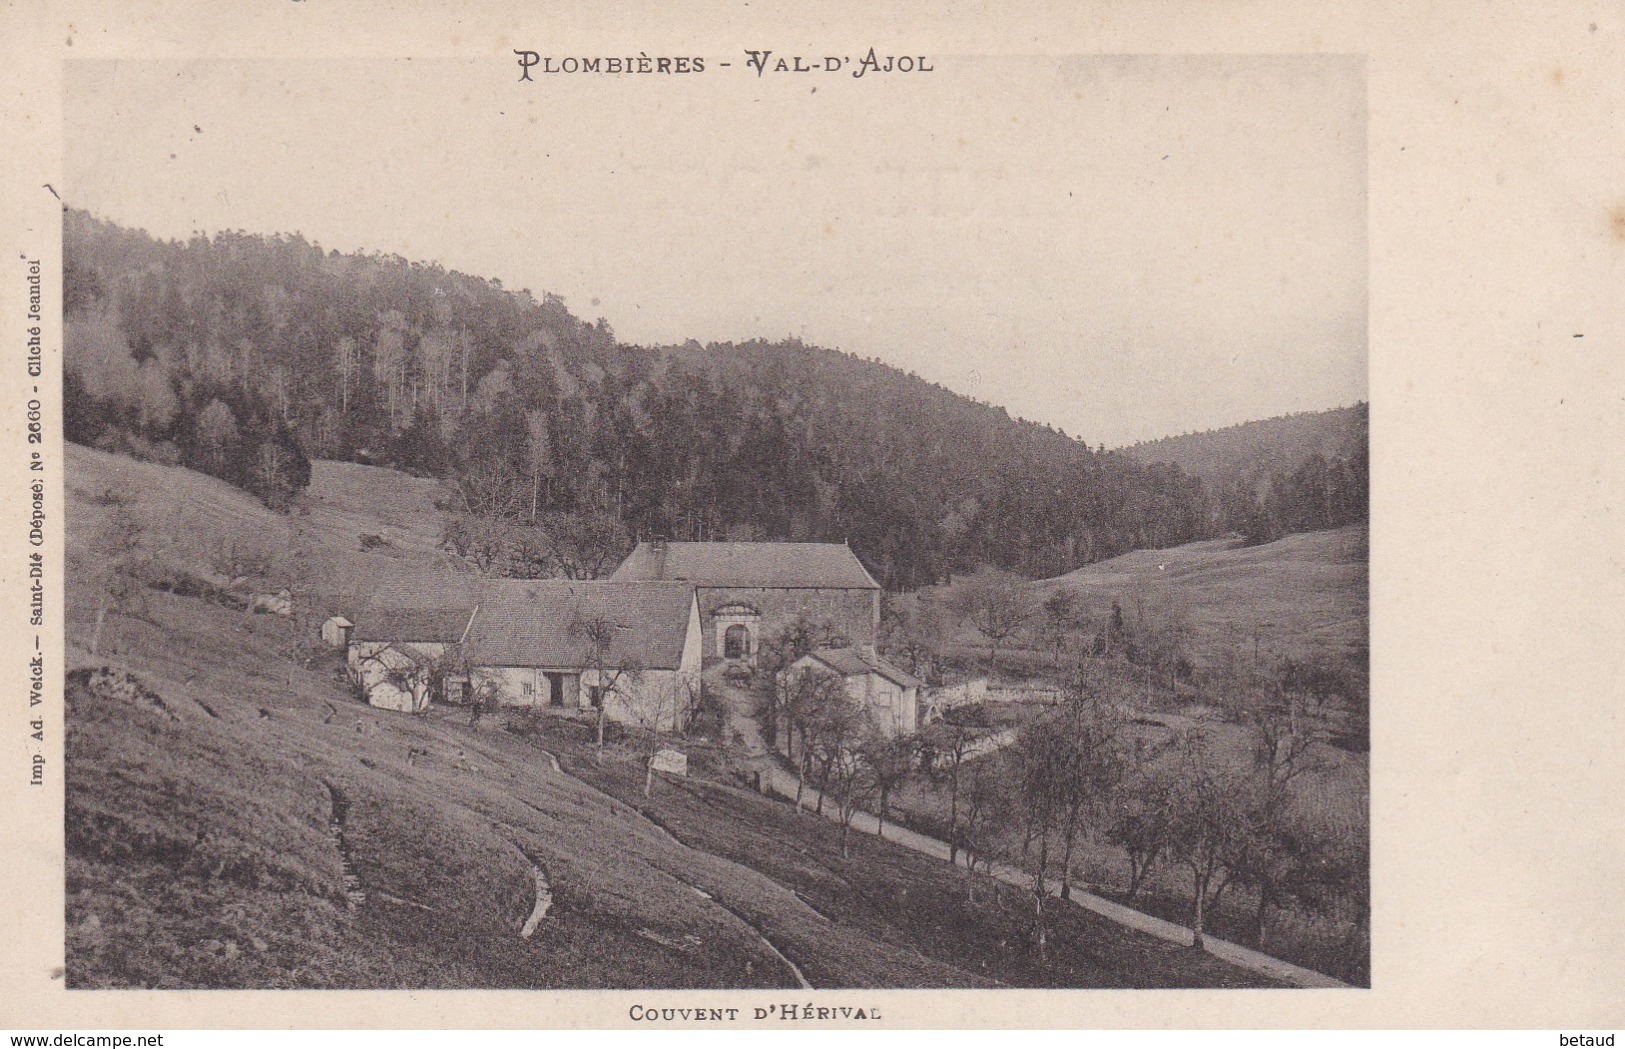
737	632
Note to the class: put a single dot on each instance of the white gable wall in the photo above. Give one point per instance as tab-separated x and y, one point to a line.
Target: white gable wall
895	709
388	677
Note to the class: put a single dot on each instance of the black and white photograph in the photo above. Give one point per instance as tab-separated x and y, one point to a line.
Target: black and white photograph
742	519
730	520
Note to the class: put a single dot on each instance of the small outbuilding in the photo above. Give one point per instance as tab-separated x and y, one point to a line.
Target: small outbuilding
336	632
890	694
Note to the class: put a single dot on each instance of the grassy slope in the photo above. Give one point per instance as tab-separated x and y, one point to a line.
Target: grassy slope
1303	595
200	811
1299	594
901	896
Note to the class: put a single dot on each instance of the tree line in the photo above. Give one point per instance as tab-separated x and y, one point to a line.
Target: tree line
242	354
145	406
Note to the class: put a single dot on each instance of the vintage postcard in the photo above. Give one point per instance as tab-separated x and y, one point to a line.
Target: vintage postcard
780	523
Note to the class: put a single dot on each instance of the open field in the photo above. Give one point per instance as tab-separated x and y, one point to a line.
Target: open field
236	819
1303	597
1298	596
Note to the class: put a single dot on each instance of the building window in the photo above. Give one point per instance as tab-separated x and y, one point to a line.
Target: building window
595	696
736	642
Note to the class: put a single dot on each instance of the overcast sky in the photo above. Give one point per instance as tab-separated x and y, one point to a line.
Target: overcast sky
1122	247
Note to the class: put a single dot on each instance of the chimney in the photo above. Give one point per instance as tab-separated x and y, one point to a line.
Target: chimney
657	554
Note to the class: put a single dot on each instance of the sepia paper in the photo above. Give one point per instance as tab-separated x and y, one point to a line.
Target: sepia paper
1491	228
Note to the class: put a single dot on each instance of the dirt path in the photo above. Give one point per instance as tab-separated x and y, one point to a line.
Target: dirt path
776	779
801	980
542	893
742	723
338	815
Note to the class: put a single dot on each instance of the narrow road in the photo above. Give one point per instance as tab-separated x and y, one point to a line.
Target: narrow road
778	780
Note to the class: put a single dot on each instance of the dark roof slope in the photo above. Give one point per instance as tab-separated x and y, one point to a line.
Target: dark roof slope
443	625
429	590
430	607
537	623
853	661
533	622
789	565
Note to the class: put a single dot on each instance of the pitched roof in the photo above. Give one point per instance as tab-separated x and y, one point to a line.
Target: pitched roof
788	565
537	623
434	607
443	625
533	622
849	662
428	590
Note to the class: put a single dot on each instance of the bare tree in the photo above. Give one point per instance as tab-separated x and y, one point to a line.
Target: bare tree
1043	786
795	639
988	813
1089	767
803	697
527	552
1062	616
585	545
783	704
997	606
412	675
1209	827
887	763
1283	849
479	543
487	488
1283	747
485	695
913	633
836	727
611	668
841	733
1287	855
944	747
1141	821
1162	631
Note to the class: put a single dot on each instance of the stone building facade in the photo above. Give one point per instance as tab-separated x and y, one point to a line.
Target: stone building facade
749	591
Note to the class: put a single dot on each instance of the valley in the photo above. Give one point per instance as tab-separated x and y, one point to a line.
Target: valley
236	818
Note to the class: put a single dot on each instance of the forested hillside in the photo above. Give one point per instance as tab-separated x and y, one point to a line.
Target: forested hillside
244	355
1262	444
1293	473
